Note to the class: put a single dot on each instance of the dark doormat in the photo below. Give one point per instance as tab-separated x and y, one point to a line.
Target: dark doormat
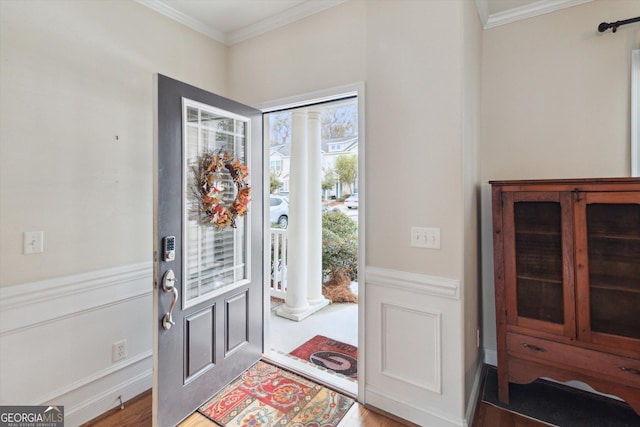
559	405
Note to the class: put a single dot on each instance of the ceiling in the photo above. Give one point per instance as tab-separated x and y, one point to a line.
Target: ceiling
232	21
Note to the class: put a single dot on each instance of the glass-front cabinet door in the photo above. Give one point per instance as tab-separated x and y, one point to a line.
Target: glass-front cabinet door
608	260
536	227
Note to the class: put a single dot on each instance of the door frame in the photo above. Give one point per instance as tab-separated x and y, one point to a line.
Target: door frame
302	100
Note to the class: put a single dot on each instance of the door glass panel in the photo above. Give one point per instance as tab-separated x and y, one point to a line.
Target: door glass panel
214	258
538	232
614	268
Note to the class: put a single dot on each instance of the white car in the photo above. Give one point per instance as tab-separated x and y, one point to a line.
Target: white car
279	211
352	201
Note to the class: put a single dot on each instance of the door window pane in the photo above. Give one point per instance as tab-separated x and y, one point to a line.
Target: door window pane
214	258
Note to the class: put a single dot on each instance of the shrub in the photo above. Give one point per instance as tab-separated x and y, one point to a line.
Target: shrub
339	246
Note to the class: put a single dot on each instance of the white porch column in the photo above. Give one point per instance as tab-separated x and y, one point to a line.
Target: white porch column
314	191
296	306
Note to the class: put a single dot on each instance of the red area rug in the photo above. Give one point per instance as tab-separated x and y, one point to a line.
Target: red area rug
266	395
330	354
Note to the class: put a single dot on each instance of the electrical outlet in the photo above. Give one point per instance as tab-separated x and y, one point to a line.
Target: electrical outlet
119	350
425	237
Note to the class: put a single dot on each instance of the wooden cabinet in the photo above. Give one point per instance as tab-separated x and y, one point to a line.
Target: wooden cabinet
567	278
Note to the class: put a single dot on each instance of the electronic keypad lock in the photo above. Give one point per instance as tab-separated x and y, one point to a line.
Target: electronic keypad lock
169	248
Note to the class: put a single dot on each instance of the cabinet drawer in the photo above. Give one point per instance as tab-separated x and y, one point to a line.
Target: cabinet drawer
595	363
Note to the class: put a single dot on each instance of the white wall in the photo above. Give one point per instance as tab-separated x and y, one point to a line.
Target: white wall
74	75
556	103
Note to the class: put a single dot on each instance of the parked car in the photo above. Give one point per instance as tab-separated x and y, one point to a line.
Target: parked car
352	201
279	211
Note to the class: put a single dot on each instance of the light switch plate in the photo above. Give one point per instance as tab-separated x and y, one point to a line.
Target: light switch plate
425	237
33	242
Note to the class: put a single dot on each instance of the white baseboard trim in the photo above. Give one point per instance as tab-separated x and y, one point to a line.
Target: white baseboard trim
108	399
418	415
473	397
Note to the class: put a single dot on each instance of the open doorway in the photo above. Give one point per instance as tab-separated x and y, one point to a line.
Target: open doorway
313	257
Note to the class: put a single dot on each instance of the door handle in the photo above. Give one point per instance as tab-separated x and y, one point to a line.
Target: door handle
169	285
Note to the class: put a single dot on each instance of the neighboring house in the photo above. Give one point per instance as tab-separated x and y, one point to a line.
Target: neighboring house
280	160
450	105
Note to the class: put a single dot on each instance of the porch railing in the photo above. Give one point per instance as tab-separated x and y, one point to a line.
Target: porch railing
278	279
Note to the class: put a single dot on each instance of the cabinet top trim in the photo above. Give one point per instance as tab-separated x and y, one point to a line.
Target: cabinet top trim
568	181
579	184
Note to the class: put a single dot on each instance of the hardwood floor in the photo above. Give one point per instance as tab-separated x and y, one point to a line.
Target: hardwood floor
491	416
137	412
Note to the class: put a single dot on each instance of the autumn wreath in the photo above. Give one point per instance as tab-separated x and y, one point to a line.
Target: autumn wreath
221	188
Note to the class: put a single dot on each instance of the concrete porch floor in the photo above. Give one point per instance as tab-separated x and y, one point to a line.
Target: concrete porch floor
338	321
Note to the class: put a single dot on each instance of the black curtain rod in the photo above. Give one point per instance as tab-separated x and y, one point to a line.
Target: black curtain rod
614	25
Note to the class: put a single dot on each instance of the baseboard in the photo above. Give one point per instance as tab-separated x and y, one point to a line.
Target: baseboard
474	397
118	387
418	415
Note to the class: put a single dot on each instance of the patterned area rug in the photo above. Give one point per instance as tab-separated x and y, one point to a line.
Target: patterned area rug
330	354
266	395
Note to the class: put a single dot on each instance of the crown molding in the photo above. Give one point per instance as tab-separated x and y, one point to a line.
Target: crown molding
280	20
540	7
483	11
287	17
194	24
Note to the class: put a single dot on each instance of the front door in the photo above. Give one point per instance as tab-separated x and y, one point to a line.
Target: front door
208	266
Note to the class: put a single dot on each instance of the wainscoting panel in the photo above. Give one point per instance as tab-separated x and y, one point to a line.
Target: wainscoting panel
424	370
56	341
413	347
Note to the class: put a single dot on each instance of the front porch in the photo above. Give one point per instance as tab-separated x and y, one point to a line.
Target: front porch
338	321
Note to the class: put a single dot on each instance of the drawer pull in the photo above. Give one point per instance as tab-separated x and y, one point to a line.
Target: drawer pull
630	370
533	347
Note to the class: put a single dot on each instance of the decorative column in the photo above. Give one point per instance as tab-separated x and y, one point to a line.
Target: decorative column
314	202
296	306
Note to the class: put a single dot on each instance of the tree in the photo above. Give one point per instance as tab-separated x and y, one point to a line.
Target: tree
274	181
280	128
329	179
346	168
339	122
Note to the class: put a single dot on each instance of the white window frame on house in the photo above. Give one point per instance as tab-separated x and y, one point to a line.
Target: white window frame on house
275	165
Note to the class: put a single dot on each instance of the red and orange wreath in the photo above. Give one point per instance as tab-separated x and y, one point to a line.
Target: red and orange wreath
212	175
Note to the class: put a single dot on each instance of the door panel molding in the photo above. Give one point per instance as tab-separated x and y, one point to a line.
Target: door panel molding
200	342
237	324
